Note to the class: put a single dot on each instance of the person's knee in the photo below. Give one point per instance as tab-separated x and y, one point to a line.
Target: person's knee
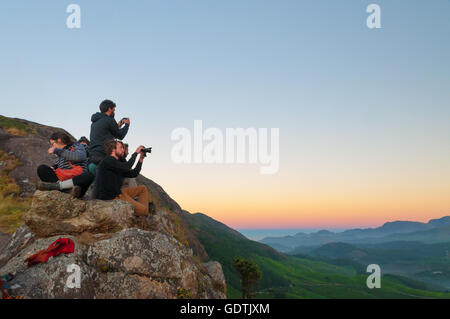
141	188
141	210
41	170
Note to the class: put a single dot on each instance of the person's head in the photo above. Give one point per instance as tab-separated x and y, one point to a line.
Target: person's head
84	140
114	148
108	107
60	139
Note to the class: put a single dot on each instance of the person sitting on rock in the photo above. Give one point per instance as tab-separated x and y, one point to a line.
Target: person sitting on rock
70	168
110	174
104	128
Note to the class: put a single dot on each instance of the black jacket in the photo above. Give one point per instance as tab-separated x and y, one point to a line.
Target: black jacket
130	164
103	128
110	174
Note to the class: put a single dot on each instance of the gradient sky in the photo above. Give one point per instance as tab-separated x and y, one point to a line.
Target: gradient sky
364	115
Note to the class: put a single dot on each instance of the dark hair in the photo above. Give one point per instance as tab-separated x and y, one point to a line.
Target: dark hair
65	138
84	139
111	145
106	105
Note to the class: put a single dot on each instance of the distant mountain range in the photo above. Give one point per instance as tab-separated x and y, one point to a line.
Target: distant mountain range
435	231
319	274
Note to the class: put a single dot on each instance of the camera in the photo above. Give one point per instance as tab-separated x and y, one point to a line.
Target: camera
146	150
123	119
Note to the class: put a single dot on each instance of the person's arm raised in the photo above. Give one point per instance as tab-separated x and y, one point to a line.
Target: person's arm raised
116	165
77	155
135	172
132	160
117	132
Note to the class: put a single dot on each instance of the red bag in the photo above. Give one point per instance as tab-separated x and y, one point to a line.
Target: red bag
65	174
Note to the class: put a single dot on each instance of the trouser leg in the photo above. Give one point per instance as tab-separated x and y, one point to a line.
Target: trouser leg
46	174
140	206
84	181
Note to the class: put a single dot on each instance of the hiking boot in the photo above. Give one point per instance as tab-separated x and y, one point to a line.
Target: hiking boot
43	186
76	191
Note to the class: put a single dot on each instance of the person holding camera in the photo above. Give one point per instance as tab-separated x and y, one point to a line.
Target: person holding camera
110	174
104	128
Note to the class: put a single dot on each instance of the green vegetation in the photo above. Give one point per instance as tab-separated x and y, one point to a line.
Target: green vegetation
427	263
223	244
12	206
183	293
294	276
250	274
15	127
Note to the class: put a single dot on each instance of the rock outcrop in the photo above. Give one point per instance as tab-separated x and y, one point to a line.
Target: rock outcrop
3	240
55	213
119	255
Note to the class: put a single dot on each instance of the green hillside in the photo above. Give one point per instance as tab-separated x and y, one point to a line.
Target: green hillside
429	263
293	276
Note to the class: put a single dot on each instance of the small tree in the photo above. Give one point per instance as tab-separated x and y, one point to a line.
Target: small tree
250	274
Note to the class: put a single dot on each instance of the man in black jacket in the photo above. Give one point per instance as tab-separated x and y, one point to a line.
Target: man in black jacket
104	128
110	174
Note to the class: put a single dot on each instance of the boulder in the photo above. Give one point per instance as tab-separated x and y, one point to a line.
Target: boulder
54	212
119	255
49	280
147	264
22	238
133	263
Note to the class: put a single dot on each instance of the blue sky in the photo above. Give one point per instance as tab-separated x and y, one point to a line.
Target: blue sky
346	98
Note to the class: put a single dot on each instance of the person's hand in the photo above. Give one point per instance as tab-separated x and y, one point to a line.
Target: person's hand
51	150
127	121
139	149
119	123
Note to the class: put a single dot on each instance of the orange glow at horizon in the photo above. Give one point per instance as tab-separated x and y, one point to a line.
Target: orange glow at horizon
284	201
352	186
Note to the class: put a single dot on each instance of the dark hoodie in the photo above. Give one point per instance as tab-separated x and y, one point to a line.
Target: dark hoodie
103	128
